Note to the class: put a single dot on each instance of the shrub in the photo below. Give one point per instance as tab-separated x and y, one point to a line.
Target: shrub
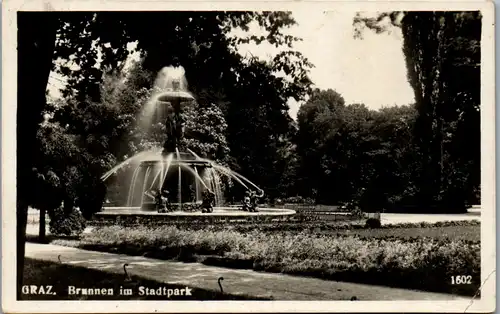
298	200
357	213
448	223
191	207
373	223
68	224
277	201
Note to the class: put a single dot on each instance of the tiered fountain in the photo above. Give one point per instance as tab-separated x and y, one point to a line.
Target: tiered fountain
173	168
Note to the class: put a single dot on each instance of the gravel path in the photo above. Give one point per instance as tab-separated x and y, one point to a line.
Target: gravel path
236	281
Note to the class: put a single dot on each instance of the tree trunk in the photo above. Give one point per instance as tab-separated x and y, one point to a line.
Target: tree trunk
41	231
22	218
36	40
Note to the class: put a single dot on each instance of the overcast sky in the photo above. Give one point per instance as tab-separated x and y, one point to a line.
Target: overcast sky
369	70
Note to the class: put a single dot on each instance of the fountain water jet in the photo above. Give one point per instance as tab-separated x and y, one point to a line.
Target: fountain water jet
168	171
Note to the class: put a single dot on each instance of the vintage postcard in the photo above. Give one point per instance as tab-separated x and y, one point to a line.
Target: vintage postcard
248	157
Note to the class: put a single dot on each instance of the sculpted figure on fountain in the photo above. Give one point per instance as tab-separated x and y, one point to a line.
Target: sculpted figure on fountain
251	201
175	125
161	200
207	205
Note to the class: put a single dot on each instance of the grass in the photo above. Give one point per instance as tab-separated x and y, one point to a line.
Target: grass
61	276
466	230
462	233
421	262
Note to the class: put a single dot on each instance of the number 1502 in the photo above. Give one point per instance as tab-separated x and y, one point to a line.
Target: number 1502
461	280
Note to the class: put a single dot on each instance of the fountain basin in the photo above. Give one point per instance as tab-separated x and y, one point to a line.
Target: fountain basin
218	211
175	162
136	216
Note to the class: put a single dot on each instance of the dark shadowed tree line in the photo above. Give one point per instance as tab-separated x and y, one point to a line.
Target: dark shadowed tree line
350	153
443	57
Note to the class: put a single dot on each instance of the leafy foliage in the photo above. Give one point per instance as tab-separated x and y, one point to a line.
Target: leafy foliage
206	132
64	223
353	153
441	47
56	163
373	223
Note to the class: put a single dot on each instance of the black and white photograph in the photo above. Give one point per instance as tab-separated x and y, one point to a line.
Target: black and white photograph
313	152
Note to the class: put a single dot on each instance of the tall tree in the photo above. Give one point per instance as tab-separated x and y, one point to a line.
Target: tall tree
319	121
440	48
353	153
35	52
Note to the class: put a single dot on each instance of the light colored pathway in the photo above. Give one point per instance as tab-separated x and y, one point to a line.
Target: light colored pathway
389	218
249	282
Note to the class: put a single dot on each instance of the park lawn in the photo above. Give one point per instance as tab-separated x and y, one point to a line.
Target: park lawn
467	230
423	263
466	233
60	276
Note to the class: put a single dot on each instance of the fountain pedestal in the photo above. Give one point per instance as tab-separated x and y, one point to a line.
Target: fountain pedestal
181	178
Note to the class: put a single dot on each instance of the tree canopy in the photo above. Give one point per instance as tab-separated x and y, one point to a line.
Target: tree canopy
442	51
349	150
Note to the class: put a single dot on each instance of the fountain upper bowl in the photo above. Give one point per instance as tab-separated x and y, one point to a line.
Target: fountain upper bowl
172	95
